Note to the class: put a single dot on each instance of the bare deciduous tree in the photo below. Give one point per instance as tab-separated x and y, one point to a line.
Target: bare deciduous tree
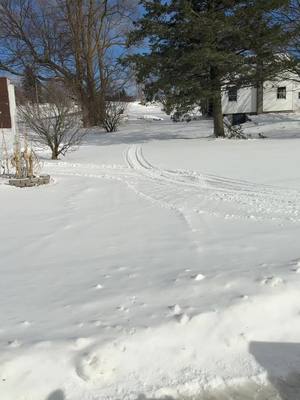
77	41
54	124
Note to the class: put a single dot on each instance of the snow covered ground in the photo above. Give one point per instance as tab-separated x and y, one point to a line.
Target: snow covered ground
159	262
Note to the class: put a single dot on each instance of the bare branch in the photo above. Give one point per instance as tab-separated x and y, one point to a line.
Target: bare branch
55	124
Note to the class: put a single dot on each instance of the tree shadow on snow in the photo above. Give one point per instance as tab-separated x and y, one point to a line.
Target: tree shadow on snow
137	132
282	363
56	395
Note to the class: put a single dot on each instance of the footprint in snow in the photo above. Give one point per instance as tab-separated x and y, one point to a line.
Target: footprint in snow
14	343
244	297
296	266
175	309
118	328
26	324
176	312
123	308
133	299
272	281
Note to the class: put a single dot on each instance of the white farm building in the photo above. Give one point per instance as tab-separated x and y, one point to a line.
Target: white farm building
278	96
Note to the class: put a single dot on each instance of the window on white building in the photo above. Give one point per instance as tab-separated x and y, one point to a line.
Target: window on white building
281	92
232	93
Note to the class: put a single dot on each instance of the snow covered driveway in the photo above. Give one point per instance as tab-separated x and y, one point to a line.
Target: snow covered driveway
158	263
186	191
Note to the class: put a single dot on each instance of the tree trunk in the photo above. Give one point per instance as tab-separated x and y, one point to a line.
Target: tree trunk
54	155
101	107
259	97
93	111
217	102
259	88
90	111
218	115
54	148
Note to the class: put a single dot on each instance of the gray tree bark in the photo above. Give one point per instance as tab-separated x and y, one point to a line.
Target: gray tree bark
259	89
218	115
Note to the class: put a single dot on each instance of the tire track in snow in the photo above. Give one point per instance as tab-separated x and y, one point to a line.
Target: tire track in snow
190	192
207	180
204	193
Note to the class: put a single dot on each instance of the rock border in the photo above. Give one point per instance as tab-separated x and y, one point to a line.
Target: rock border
30	182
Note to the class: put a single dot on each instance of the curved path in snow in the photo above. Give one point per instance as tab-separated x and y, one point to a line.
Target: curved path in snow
190	192
216	195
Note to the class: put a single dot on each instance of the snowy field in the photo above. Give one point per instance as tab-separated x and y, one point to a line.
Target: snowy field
159	262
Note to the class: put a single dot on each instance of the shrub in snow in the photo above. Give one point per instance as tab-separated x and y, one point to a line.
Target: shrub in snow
54	124
234	131
114	112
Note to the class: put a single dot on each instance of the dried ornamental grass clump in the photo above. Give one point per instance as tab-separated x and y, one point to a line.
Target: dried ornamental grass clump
22	167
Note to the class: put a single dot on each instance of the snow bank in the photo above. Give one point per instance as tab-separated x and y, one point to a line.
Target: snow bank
210	352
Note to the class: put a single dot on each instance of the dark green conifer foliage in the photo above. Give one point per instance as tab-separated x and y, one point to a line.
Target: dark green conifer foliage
196	48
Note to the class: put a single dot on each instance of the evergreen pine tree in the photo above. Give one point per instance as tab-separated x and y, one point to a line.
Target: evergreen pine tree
196	48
